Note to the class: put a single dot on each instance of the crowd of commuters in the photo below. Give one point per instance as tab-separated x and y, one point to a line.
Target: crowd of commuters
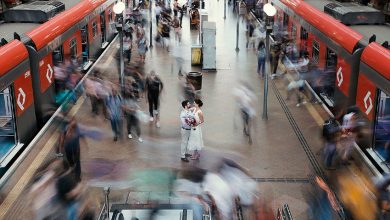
228	192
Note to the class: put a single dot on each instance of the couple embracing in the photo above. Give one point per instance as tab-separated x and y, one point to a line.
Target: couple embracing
191	134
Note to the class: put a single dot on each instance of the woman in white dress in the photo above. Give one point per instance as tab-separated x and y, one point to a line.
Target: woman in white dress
195	142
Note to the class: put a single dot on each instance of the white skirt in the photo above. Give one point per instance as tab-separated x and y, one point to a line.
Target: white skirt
195	141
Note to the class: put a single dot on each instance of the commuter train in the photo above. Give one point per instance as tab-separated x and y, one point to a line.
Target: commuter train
27	88
354	70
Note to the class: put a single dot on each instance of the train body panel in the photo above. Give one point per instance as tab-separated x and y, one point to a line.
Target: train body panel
359	71
331	54
17	106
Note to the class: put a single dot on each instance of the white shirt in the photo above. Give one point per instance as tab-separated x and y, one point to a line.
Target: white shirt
183	115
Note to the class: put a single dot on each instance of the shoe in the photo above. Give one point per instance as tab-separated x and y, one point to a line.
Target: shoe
188	155
298	105
140	140
115	138
130	136
59	155
184	160
158	124
151	119
304	102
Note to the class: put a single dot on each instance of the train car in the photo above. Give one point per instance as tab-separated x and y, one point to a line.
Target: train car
78	34
18	123
373	98
332	48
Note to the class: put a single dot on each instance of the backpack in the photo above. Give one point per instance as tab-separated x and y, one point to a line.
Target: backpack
330	129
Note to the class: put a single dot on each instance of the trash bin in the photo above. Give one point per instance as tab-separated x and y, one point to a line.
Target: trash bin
196	55
195	78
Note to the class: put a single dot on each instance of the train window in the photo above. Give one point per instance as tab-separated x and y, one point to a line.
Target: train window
304	34
110	16
316	52
73	48
382	125
7	121
293	31
58	55
331	59
94	29
285	20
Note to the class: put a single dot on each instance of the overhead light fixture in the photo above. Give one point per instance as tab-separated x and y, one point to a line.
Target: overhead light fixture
269	9
119	7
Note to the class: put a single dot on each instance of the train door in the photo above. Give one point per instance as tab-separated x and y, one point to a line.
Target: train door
7	123
85	45
382	125
103	29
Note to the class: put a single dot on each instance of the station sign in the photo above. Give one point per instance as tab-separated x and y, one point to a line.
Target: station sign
366	96
23	93
46	72
343	73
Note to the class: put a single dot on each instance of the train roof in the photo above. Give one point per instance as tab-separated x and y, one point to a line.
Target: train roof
381	31
51	29
378	58
7	29
14	53
329	26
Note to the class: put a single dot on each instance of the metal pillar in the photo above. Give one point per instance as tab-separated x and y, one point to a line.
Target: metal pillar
121	58
224	9
237	32
151	24
107	201
265	99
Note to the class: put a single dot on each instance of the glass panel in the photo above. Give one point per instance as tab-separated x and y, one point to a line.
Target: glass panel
58	55
7	121
316	52
304	34
94	29
285	20
382	126
331	60
293	31
73	48
84	43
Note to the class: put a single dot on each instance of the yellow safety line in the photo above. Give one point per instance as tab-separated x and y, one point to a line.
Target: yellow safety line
25	179
313	112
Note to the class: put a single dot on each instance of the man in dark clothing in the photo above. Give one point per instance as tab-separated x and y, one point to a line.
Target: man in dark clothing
130	108
153	86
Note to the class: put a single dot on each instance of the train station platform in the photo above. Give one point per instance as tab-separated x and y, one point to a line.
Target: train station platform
286	148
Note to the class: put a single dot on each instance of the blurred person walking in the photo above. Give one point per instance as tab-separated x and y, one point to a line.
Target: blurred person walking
245	98
154	87
115	113
128	46
70	140
176	7
195	142
349	132
185	117
130	108
157	12
330	133
177	29
261	57
142	47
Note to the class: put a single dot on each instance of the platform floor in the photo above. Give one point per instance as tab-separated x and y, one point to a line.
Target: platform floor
285	149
